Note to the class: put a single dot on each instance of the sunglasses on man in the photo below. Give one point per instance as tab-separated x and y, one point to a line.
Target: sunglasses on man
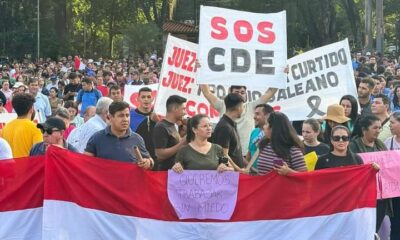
49	131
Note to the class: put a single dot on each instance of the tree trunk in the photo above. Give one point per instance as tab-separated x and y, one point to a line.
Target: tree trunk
368	26
354	19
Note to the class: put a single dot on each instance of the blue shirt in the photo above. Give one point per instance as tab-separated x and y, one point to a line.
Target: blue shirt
256	135
88	99
42	107
105	144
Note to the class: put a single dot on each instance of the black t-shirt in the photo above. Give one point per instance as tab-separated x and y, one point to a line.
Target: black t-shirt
331	161
226	135
320	149
165	135
142	124
71	88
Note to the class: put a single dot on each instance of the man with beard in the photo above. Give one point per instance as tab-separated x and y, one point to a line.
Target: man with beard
364	91
22	133
143	120
166	138
72	89
117	141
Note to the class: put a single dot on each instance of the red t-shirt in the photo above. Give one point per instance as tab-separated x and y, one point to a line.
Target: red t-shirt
103	89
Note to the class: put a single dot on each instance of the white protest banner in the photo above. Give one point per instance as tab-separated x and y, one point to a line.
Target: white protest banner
242	48
177	77
132	92
317	79
7	117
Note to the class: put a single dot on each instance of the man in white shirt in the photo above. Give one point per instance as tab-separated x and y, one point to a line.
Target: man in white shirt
5	150
42	104
96	123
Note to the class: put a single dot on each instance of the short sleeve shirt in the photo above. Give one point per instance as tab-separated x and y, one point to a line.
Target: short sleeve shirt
104	144
165	135
226	135
194	160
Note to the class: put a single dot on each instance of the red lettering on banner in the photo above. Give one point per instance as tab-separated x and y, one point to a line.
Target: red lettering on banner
182	58
238	34
265	33
171	59
266	36
218	23
193	108
178	81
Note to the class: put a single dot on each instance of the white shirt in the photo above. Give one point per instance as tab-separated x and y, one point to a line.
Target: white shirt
82	134
5	150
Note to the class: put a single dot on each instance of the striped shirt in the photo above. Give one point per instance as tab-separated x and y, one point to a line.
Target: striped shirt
267	157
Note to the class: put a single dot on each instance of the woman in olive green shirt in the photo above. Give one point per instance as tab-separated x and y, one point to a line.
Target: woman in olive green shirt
200	154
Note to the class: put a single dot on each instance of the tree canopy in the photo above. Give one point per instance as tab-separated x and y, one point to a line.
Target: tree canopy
97	28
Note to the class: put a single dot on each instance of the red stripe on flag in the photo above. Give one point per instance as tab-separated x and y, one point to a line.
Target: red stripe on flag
21	183
125	189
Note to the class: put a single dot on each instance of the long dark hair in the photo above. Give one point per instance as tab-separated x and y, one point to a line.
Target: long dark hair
395	97
363	123
193	123
283	135
354	106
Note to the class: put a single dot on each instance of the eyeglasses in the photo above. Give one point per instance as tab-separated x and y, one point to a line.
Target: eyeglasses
338	138
49	131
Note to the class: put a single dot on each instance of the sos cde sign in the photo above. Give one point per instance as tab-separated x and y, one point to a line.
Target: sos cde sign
242	48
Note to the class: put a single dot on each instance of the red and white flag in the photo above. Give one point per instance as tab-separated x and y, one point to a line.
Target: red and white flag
21	198
78	65
89	198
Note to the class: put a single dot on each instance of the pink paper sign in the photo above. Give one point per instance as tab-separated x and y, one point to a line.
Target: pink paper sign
203	194
388	178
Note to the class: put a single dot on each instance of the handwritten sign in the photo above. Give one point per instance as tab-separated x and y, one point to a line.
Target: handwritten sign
388	176
177	77
203	194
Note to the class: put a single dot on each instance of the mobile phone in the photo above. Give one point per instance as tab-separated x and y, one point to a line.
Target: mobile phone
278	162
223	160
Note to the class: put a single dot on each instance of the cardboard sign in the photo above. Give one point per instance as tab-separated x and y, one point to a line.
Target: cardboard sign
203	194
388	177
177	77
242	48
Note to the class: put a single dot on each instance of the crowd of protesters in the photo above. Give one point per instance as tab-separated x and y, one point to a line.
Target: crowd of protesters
78	104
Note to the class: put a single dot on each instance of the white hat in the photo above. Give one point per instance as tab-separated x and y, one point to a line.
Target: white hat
368	54
90	61
19	84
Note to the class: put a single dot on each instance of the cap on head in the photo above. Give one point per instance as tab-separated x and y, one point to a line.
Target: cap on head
52	122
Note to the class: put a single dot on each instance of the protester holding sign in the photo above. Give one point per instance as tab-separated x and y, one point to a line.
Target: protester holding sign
118	133
261	114
143	119
281	149
200	154
340	154
366	134
245	123
393	143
